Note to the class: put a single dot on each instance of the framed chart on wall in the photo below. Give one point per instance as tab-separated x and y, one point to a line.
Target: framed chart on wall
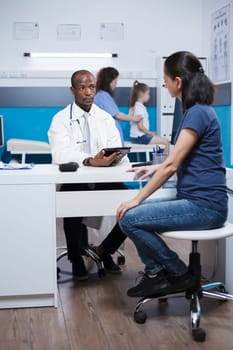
220	45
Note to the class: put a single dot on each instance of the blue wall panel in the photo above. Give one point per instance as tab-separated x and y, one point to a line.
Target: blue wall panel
224	116
32	123
27	123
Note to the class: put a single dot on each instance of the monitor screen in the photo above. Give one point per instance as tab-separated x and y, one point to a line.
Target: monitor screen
178	114
1	132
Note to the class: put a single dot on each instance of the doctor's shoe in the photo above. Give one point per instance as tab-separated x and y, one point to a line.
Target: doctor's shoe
109	265
79	270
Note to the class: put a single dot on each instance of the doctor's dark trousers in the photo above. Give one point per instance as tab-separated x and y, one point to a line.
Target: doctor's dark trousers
76	231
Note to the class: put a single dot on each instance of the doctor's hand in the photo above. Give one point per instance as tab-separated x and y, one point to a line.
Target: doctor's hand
101	160
142	172
122	209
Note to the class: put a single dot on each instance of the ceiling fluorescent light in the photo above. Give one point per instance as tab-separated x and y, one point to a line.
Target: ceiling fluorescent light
69	55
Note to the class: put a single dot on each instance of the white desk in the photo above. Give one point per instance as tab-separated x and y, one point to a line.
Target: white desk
30	205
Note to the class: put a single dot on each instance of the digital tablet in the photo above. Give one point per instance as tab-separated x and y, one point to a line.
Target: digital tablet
123	152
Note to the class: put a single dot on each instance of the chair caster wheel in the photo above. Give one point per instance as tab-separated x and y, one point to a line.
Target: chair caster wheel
101	273
199	334
121	260
140	317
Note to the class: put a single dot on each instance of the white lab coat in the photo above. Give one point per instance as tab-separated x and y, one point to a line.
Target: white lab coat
65	134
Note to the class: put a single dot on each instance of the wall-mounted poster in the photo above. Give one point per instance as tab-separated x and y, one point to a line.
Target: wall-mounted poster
112	31
26	31
68	31
220	45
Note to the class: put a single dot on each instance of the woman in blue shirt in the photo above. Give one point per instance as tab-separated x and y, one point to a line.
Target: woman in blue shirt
105	85
201	201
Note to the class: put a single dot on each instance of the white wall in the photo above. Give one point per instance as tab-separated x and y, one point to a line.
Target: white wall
152	28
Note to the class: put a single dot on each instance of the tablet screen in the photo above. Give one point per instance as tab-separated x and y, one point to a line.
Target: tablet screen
123	151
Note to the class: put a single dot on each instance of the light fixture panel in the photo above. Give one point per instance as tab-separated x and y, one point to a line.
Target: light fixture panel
70	54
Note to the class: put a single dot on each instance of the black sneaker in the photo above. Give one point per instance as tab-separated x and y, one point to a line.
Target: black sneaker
149	286
79	270
109	265
181	283
174	284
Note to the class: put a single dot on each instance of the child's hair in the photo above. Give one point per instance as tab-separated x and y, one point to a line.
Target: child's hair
196	86
136	89
104	78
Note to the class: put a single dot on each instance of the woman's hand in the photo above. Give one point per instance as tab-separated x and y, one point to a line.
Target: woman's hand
142	172
126	206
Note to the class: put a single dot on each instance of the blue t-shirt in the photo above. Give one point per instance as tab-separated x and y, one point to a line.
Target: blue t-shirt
201	176
104	100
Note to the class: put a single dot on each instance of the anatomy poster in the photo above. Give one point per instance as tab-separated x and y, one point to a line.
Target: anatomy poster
220	45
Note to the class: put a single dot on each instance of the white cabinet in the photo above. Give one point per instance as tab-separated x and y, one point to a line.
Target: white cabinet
165	105
229	240
28	245
216	256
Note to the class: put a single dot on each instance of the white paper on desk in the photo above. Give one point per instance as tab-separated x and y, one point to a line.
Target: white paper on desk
15	166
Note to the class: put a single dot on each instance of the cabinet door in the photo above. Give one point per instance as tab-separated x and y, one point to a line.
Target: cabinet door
28	240
229	240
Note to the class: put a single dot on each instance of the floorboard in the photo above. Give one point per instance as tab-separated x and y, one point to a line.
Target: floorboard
97	314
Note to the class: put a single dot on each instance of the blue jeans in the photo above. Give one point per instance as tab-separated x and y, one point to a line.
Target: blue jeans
145	223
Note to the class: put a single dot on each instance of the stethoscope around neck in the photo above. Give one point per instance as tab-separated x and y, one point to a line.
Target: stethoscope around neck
78	122
71	112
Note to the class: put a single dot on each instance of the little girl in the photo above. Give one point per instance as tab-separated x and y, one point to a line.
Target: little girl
139	132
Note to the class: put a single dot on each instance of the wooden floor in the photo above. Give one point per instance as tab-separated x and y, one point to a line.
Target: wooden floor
97	314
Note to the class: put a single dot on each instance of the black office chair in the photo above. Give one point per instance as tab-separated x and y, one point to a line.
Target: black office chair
88	252
214	290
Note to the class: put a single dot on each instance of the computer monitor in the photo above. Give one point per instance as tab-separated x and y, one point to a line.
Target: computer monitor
178	114
1	132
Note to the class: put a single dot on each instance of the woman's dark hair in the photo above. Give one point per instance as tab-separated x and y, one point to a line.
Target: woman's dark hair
196	86
136	89
104	78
